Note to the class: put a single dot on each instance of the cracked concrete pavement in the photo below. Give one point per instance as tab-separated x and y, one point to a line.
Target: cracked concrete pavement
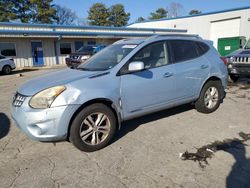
145	153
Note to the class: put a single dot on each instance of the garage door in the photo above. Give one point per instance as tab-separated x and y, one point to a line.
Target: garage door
224	28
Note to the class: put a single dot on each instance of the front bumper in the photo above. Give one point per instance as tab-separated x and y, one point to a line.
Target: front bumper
73	63
239	69
43	124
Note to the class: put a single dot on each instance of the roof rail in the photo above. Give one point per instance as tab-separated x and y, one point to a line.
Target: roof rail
177	35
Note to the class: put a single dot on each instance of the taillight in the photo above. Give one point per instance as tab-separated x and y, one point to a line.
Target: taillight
224	59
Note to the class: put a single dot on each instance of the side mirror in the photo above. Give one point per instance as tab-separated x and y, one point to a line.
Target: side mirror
136	66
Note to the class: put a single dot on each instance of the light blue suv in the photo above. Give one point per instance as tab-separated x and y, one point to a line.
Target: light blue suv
131	78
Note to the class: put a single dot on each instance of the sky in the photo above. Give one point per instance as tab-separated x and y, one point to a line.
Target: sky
143	8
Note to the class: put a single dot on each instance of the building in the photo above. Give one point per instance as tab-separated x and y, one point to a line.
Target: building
212	26
48	45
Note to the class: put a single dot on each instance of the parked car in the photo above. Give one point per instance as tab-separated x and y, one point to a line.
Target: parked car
6	64
128	79
239	63
84	53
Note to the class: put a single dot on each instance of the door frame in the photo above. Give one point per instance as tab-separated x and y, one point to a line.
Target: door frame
32	53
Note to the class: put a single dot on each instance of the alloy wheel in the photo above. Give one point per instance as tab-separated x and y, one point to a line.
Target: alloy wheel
211	97
95	128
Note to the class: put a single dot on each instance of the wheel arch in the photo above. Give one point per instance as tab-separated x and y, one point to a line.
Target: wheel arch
104	101
5	65
212	78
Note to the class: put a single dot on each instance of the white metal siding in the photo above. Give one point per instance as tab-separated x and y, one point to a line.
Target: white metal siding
223	29
48	52
23	51
205	25
23	56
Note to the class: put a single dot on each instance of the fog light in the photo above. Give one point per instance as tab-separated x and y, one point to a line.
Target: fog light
233	71
230	66
36	130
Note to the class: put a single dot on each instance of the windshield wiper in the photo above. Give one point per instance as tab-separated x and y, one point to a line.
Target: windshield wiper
87	69
84	69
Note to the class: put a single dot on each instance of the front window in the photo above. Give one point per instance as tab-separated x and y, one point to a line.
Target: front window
86	49
248	45
91	43
153	55
78	45
107	58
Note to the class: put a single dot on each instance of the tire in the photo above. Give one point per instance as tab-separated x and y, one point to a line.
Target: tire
6	69
234	77
210	97
89	137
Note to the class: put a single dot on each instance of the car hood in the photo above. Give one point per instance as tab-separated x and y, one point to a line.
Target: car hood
240	53
57	78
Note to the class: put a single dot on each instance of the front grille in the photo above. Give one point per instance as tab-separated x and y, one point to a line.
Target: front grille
75	57
18	100
240	59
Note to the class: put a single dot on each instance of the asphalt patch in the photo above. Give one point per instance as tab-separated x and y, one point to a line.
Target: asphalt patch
207	152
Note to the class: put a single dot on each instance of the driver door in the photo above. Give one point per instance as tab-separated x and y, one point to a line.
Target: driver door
151	88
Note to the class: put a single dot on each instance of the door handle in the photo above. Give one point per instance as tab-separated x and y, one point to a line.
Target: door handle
168	74
204	66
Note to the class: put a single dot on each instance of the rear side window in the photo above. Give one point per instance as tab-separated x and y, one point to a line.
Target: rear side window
183	50
202	48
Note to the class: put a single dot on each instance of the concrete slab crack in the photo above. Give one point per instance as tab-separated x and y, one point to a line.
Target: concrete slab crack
18	173
5	145
105	171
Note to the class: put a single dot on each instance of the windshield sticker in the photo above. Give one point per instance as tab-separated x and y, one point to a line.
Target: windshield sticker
129	46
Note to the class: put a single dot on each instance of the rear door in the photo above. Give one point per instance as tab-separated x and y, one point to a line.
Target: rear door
191	67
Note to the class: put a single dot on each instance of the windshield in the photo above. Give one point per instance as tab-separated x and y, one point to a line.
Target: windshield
107	58
248	45
86	49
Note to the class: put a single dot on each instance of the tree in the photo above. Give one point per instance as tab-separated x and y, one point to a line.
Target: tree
98	15
43	11
36	11
65	16
193	12
117	16
15	10
140	19
175	10
158	14
5	11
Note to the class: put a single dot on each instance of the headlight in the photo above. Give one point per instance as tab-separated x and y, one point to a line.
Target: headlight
231	59
85	57
45	98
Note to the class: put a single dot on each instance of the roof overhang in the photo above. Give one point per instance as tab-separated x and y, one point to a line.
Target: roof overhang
58	31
